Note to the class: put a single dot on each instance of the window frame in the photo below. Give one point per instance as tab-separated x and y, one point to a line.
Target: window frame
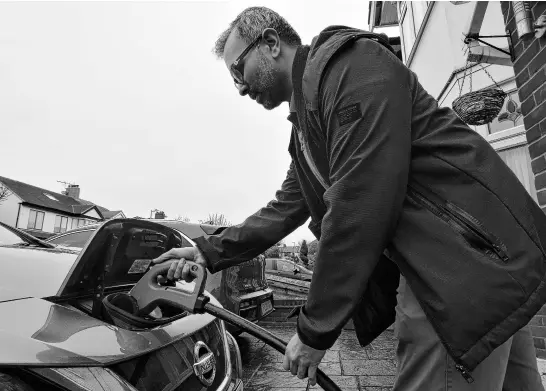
402	13
37	212
508	138
60	227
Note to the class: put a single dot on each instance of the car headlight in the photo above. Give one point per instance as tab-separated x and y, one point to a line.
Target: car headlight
235	355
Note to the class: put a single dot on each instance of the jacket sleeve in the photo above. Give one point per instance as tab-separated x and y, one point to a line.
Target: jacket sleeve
240	243
365	111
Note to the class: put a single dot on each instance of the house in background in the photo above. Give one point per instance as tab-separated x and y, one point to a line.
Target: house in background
455	47
448	65
43	213
285	251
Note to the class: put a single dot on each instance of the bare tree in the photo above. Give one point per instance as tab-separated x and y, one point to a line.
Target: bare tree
4	193
184	219
216	219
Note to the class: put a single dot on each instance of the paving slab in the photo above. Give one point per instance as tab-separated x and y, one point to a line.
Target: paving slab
351	367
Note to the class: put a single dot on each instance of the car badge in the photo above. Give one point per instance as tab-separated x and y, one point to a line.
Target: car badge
205	364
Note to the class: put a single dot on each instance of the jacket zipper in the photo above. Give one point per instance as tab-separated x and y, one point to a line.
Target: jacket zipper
460	221
465	373
309	160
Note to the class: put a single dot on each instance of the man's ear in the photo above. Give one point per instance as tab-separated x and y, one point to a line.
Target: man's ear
273	42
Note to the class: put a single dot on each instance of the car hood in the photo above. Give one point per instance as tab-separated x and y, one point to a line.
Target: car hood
119	252
35	332
34	271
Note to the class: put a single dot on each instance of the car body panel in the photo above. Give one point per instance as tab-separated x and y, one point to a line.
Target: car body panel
113	250
36	332
32	271
227	286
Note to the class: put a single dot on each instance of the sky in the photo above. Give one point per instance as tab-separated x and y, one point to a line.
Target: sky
126	100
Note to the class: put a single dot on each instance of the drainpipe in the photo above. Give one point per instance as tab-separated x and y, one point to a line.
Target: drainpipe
18	212
486	54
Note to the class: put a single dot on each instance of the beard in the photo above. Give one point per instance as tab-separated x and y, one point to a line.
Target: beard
267	84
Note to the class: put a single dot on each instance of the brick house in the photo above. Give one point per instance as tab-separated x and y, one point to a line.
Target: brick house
44	213
530	76
435	45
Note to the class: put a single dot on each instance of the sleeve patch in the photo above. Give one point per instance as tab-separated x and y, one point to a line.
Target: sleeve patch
349	114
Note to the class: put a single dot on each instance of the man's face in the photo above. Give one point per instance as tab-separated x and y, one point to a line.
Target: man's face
260	77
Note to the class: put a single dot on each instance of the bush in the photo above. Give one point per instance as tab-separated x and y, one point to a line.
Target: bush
311	261
273	252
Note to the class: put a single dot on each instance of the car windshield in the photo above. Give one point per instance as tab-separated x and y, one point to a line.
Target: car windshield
74	239
10	238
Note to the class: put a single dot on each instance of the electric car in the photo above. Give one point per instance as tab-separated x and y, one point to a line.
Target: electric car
68	321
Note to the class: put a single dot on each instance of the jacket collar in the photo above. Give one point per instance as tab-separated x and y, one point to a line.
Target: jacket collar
298	67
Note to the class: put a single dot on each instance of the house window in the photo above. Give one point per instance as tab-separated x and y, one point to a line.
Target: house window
510	115
411	16
61	223
386	14
51	197
419	11
36	220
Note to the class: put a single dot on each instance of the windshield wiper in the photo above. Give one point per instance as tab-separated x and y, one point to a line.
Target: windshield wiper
21	244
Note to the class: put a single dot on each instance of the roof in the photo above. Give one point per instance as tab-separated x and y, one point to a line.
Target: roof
290	249
108	214
49	199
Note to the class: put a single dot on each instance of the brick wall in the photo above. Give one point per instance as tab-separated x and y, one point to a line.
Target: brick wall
530	71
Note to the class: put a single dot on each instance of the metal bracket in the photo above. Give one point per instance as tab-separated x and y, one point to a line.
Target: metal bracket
476	37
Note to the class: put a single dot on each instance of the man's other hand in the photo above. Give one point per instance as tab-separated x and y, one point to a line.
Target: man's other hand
302	360
179	269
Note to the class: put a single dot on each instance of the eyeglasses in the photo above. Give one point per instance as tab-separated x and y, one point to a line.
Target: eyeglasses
237	67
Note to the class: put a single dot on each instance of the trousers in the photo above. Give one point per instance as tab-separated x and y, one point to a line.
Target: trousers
424	364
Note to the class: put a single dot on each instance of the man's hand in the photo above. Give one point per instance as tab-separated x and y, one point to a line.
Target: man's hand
302	360
180	269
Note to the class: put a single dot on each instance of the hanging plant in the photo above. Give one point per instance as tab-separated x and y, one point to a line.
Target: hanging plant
479	107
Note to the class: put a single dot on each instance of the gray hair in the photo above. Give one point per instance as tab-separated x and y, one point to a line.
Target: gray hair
251	23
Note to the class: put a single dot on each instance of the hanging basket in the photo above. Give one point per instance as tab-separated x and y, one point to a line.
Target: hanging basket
480	107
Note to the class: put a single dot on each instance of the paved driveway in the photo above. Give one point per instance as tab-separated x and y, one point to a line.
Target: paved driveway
350	366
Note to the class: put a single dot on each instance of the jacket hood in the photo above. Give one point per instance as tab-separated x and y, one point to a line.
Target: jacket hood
323	48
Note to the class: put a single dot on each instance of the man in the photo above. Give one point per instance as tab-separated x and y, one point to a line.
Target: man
388	178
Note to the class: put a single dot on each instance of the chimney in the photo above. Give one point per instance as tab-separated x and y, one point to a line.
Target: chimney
73	191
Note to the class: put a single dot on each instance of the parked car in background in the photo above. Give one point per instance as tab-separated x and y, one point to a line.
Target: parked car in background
287	278
287	268
66	324
241	289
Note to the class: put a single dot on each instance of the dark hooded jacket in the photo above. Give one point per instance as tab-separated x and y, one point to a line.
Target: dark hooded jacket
390	176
